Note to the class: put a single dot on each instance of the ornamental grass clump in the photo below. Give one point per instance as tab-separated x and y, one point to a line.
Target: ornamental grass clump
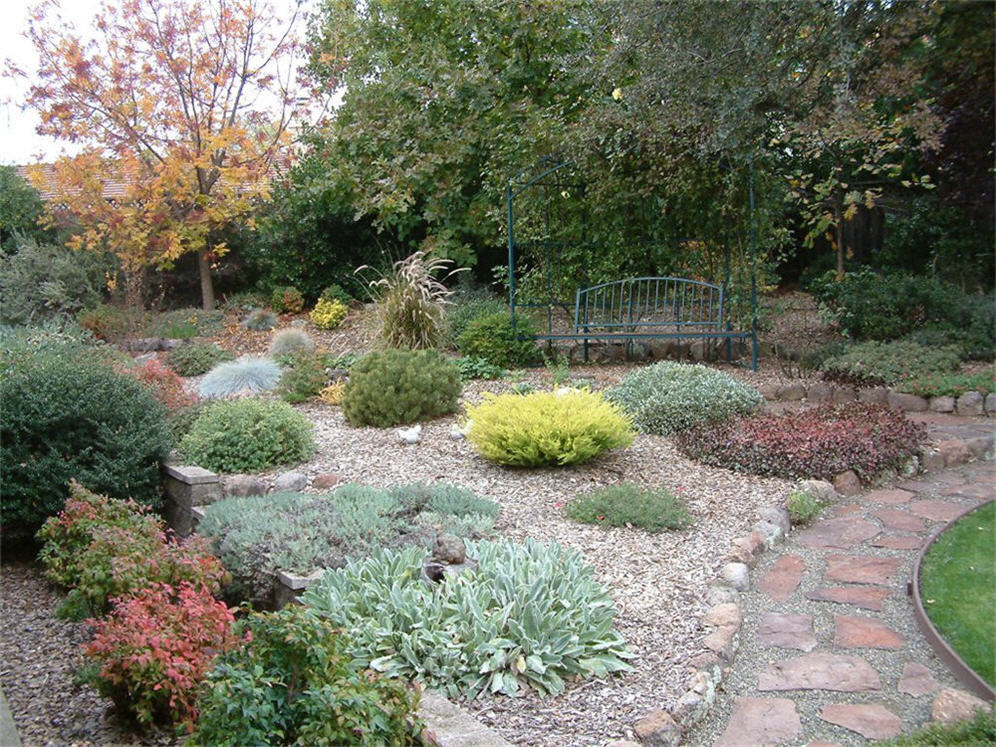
246	374
528	616
668	397
397	387
293	681
289	342
546	428
248	435
627	505
816	443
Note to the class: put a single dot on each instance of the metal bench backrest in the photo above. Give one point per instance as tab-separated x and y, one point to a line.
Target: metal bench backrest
639	303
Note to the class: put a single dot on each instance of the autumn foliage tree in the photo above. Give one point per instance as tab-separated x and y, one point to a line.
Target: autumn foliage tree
183	104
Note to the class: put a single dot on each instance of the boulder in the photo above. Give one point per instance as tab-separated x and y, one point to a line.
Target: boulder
243	485
449	549
290	482
942	404
970	403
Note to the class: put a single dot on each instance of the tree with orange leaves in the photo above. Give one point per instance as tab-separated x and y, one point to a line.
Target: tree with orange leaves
183	105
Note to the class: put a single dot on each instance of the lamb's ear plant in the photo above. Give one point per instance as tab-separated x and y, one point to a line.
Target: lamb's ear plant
410	302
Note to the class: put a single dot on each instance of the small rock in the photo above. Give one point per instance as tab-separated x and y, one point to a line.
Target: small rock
819	489
658	729
954	452
777	515
724	642
970	403
980	446
942	404
449	549
622	743
244	485
723	615
931	460
720	594
708	662
847	483
772	533
325	481
746	549
769	392
290	481
955	705
145	357
736	575
694	704
299	323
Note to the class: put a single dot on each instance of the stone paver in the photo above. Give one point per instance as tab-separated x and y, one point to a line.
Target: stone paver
917	680
866	597
936	510
761	721
780	630
783	578
903	521
852	631
890	496
898	541
861	569
820	671
839	534
870	721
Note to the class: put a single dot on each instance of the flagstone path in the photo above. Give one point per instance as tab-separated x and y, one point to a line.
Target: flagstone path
829	649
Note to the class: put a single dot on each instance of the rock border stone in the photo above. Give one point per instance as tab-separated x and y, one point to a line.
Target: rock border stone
969	404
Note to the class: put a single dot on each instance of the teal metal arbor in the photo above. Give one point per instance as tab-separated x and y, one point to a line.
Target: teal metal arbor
548	218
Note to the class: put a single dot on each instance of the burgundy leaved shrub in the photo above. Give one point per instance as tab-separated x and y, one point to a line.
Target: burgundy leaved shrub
817	443
164	383
152	653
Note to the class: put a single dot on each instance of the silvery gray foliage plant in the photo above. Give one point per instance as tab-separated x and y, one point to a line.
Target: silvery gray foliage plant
248	373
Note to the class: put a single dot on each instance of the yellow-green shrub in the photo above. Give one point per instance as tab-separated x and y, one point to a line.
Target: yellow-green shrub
328	314
546	428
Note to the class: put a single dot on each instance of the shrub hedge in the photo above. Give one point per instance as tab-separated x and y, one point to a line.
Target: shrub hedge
889	363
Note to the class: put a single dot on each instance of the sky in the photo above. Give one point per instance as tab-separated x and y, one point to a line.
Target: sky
19	143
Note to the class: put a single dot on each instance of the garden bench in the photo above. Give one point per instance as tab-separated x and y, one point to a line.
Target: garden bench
655	308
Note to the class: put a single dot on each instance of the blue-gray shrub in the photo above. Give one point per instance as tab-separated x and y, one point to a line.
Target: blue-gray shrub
246	373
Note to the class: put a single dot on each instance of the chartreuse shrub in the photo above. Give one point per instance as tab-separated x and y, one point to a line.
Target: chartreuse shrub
294	682
247	373
196	358
494	339
817	443
291	341
627	505
328	314
153	651
67	414
668	397
888	363
286	299
248	435
100	548
395	387
546	428
256	536
528	615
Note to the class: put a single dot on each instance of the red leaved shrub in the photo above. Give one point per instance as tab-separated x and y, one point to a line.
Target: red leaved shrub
155	649
164	383
817	443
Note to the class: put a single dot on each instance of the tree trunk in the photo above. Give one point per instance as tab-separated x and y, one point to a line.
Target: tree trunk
207	287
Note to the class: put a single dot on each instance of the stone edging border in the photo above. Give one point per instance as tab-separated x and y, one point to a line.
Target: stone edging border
968	404
964	673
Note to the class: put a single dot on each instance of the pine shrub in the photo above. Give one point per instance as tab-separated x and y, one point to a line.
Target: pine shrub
396	387
627	505
668	397
196	359
248	435
294	682
246	374
493	338
546	428
69	415
816	443
290	341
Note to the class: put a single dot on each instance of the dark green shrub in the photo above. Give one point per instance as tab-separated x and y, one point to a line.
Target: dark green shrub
396	387
196	359
493	339
817	443
294	682
336	292
888	363
247	435
668	397
43	280
304	378
182	324
286	299
627	505
466	306
181	420
71	416
106	322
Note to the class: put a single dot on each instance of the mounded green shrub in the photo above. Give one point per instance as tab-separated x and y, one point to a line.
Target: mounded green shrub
668	397
396	387
67	414
304	378
546	428
328	313
258	535
626	505
467	305
889	363
286	299
294	682
247	373
493	338
196	359
528	615
248	435
182	324
260	320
